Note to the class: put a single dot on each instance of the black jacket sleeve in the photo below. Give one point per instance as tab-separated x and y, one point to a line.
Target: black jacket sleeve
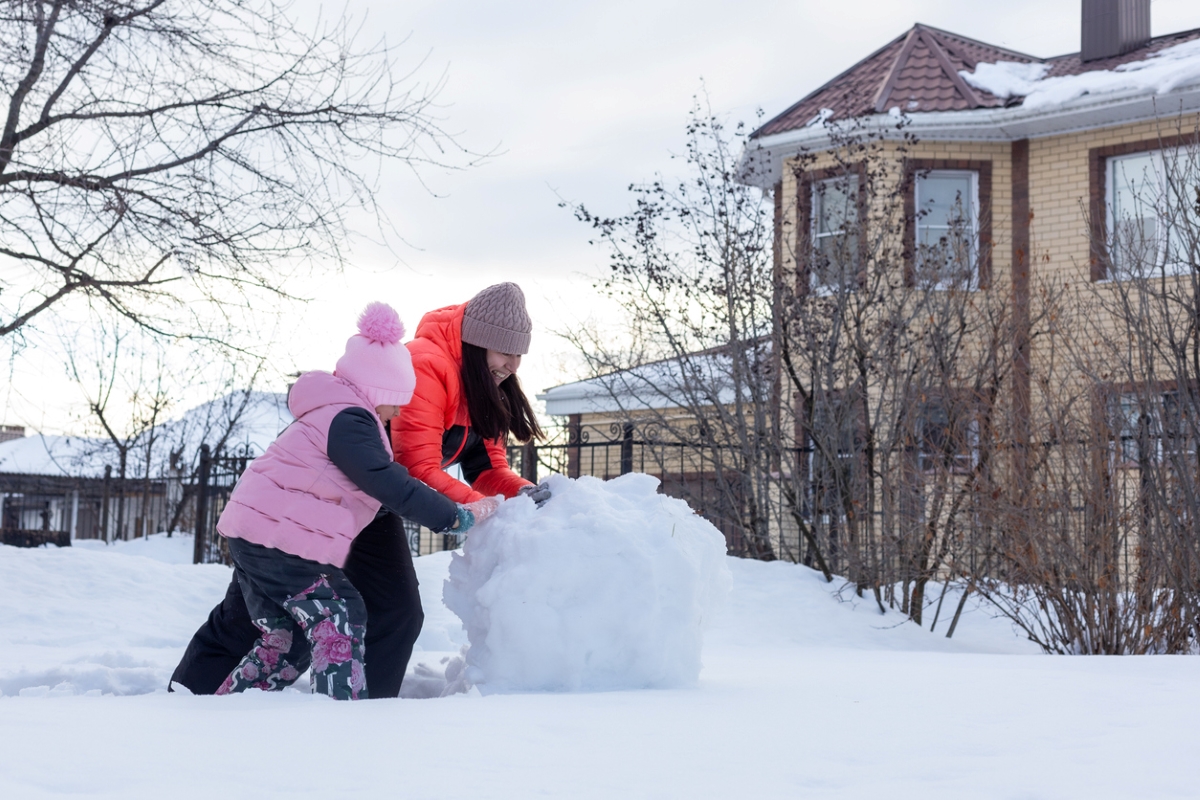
356	449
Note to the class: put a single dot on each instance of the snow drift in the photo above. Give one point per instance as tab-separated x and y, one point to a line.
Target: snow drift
608	586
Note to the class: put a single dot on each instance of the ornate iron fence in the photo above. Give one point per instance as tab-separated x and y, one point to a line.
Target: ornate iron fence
216	477
692	470
56	509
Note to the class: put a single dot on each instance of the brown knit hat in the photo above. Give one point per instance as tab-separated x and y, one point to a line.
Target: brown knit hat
496	319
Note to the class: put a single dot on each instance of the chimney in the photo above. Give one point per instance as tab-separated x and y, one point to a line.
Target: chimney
1113	27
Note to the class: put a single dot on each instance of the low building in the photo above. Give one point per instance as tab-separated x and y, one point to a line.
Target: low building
54	489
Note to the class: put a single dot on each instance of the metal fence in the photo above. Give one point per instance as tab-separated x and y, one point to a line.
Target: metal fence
39	510
111	509
46	509
218	474
215	479
692	471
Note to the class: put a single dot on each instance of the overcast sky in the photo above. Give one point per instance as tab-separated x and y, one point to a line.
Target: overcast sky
579	99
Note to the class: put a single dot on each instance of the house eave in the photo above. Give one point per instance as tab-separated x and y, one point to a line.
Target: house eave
584	398
762	162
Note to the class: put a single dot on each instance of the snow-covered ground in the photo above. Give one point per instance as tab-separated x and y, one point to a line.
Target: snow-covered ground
803	694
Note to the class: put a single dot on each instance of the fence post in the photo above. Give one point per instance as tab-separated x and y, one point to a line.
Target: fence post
104	503
627	449
574	437
200	544
529	466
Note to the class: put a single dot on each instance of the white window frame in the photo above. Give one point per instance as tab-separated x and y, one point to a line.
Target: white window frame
973	220
817	204
1163	263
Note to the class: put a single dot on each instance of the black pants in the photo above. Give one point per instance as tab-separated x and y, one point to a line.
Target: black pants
380	567
310	615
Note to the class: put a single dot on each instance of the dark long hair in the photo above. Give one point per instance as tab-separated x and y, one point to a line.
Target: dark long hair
496	411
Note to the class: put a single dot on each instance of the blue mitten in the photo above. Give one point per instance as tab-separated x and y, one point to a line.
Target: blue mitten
466	520
471	514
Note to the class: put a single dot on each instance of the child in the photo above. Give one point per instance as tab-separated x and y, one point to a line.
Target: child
296	510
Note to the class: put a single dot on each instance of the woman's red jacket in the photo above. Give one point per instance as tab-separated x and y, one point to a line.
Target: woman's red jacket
437	405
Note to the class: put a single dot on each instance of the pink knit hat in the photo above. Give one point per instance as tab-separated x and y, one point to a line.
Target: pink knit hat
375	361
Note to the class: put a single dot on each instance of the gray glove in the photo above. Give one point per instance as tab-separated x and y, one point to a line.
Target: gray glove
538	494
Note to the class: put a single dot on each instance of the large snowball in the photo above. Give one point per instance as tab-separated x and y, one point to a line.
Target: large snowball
608	586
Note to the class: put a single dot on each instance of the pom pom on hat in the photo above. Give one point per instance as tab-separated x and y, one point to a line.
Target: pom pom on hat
375	361
379	322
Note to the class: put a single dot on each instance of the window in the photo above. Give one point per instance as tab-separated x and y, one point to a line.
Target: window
835	233
1125	415
836	441
947	229
947	436
1147	202
1152	428
837	427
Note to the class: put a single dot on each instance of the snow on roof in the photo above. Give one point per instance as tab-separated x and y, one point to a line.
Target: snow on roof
55	455
689	381
1159	73
265	415
930	71
652	386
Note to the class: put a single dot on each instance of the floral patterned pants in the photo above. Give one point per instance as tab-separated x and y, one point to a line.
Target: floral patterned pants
302	608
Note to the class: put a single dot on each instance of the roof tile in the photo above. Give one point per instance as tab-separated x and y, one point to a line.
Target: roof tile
915	72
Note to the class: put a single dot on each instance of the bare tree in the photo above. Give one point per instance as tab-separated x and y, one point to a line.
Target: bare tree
219	423
843	403
176	161
896	345
1103	554
695	376
133	382
851	401
124	383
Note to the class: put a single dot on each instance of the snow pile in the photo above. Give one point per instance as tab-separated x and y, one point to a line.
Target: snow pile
1161	72
608	586
1007	78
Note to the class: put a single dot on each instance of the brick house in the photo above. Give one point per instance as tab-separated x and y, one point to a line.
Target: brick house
1030	164
1039	177
1064	177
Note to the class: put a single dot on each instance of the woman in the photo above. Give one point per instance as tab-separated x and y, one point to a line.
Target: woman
467	399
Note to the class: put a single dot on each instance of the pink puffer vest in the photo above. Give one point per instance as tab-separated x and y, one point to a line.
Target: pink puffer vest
292	497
